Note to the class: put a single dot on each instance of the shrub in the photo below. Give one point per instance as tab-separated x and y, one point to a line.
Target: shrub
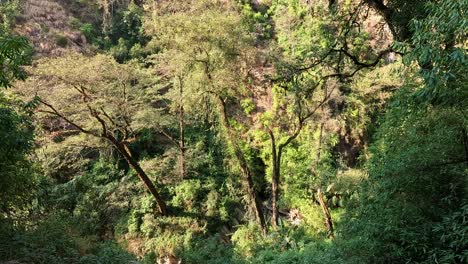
48	243
61	41
208	250
88	31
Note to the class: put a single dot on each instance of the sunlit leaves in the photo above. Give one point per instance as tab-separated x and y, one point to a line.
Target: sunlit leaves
14	53
439	46
74	84
16	174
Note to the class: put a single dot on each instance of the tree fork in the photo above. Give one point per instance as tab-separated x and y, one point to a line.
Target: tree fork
126	153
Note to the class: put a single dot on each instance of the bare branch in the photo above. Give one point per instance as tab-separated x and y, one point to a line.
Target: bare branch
96	115
168	136
62	116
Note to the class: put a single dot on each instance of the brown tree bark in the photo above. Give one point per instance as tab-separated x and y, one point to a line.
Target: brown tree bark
319	149
275	160
277	151
125	152
246	172
120	145
326	213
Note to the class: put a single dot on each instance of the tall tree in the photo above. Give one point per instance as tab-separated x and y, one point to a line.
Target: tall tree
16	131
17	176
15	51
417	170
339	50
100	98
206	43
284	124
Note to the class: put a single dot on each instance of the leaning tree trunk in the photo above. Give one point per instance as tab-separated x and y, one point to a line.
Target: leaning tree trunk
326	213
125	152
246	172
119	145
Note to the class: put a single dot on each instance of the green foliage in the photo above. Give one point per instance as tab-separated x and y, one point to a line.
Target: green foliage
300	33
258	21
310	253
127	25
116	89
287	245
440	49
14	53
167	235
186	194
124	37
108	253
247	240
248	105
211	45
53	241
210	251
402	13
61	41
120	50
451	247
9	9
28	246
87	30
277	68
403	170
17	175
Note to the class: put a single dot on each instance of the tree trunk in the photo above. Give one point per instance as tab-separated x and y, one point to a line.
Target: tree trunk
275	160
326	213
246	172
319	149
125	152
465	143
183	168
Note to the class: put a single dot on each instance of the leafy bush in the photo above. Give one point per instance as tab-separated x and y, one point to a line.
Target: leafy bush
54	242
248	105
17	173
61	41
108	253
247	240
210	250
187	194
88	31
47	243
451	245
165	236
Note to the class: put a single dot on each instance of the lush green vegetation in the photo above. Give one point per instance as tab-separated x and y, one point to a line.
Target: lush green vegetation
275	131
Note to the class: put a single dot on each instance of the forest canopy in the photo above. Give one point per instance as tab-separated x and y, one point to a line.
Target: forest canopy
233	131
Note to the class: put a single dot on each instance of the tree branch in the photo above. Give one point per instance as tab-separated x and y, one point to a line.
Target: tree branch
58	114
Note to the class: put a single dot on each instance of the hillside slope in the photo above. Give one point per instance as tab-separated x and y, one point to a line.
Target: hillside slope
47	24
